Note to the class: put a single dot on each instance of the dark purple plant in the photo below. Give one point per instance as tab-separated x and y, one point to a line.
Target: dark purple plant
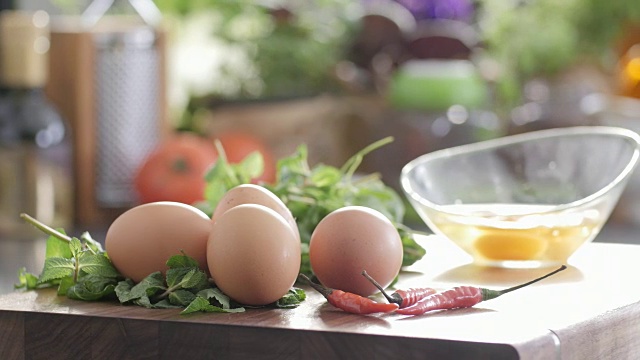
462	10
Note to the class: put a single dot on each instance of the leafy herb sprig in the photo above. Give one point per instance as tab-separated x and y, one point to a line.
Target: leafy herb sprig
311	193
79	267
82	270
183	286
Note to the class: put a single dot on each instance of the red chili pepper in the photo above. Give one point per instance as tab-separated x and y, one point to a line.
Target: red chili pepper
462	297
350	302
403	298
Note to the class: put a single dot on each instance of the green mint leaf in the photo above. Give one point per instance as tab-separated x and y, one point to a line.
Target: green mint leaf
216	173
412	251
374	194
162	304
91	288
75	246
26	280
291	299
204	206
223	176
56	268
97	264
97	284
181	261
325	176
143	301
299	293
187	278
293	170
250	167
216	296
218	183
175	276
196	280
64	284
90	243
223	172
200	304
149	286
81	293
56	247
181	297
123	290
214	192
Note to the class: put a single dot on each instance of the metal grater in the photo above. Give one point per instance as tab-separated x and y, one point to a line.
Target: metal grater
127	109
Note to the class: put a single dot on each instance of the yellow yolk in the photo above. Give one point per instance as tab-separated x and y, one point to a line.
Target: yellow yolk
510	245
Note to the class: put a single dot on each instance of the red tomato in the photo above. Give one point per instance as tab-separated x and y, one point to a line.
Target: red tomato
237	145
175	170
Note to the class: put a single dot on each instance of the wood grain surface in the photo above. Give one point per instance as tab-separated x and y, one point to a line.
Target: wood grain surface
586	312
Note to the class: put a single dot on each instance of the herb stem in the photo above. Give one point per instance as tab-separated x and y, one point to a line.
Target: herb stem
368	177
167	292
303	199
76	269
223	156
45	228
161	296
352	164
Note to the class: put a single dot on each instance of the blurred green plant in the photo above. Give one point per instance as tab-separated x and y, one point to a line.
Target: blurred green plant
292	45
540	38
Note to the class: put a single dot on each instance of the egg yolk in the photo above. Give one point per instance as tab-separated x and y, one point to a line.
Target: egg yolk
510	245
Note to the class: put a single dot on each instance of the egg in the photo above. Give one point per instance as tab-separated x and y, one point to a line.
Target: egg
255	194
253	254
142	239
350	240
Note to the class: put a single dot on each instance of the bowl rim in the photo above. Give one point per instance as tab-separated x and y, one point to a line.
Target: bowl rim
614	131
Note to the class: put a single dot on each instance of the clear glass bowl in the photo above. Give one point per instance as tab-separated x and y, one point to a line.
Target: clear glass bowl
523	201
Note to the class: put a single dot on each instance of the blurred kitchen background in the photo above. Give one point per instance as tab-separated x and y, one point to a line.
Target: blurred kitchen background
88	89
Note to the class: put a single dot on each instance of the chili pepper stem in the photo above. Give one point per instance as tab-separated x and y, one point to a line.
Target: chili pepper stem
45	228
394	298
319	288
488	294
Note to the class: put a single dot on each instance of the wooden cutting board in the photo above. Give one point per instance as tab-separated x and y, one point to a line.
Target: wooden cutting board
589	311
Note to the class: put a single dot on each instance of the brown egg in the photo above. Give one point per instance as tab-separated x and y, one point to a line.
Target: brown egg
353	239
253	254
142	239
255	194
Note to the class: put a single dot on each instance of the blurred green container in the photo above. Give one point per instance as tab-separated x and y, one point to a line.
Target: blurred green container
437	85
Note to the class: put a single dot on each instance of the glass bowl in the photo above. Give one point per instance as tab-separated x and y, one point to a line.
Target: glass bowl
523	201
